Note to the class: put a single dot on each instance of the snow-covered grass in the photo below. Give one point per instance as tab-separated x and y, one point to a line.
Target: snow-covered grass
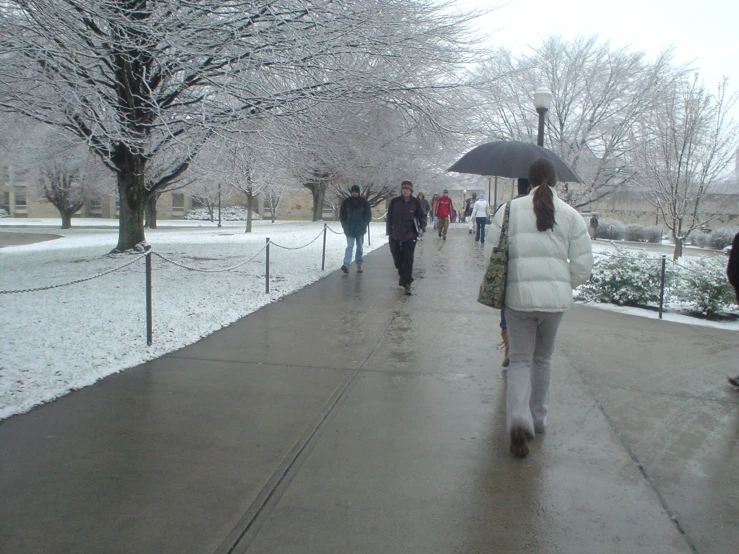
68	337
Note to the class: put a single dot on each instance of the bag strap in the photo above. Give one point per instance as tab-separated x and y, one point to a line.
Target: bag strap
503	243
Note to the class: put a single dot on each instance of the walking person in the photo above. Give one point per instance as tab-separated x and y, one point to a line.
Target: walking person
355	214
594	224
469	205
480	213
434	200
549	254
523	189
406	221
732	271
444	211
425	206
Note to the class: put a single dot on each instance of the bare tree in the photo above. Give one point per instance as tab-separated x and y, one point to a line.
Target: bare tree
599	93
133	77
67	174
681	149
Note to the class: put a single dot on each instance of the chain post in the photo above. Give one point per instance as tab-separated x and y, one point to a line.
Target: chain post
662	286
149	317
266	290
323	256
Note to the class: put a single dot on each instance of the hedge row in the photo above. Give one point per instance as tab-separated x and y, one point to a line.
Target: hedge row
628	277
612	229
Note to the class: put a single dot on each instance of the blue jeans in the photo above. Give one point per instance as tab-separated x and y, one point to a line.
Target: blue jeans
350	241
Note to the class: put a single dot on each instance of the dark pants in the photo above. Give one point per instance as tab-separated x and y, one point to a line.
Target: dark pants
481	221
403	257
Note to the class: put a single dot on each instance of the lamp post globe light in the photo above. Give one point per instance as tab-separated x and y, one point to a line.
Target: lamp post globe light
542	101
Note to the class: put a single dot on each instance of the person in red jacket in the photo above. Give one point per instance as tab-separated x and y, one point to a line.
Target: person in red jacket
444	211
732	272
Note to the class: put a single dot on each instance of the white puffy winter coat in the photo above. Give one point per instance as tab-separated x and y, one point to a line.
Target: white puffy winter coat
543	267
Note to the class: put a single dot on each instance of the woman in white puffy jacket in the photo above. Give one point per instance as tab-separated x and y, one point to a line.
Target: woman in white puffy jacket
550	254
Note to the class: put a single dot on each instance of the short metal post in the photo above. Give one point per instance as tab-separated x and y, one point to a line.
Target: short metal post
323	258
369	235
149	318
662	286
266	273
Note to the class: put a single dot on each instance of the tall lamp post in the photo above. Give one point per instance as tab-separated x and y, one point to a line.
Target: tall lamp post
542	101
219	204
464	198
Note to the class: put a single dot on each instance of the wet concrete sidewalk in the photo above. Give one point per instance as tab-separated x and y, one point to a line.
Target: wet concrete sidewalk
350	418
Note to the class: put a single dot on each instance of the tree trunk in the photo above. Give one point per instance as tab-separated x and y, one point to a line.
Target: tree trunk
249	202
150	211
678	252
66	220
132	196
319	195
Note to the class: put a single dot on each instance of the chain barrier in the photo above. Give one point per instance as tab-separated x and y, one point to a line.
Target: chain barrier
380	217
334	232
76	281
209	270
297	247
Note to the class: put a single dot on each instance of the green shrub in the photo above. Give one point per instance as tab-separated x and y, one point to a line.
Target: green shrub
702	286
626	277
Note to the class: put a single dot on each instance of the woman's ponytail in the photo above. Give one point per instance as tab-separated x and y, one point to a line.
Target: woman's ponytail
543	174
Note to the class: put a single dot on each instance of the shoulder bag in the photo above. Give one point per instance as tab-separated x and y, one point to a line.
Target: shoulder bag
492	289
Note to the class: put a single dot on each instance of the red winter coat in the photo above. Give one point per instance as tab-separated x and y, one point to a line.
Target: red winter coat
444	207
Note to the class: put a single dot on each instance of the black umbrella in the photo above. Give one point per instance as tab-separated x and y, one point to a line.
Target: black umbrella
510	158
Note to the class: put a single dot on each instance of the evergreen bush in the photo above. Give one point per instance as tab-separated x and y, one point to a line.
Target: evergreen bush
702	286
625	277
228	213
721	238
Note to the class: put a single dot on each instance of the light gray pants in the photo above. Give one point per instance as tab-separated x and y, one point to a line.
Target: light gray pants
531	336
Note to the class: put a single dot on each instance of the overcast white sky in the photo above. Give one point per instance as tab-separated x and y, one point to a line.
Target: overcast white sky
703	32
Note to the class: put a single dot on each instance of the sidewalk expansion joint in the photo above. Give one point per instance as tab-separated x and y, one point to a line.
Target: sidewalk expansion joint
632	455
255	516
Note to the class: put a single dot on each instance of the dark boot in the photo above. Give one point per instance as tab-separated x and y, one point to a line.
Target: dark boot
519	442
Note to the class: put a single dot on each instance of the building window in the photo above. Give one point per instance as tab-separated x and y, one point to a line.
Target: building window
95	208
178	204
21	206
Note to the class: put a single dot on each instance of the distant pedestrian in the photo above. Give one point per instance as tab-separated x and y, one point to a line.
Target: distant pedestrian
355	214
405	222
425	206
480	213
594	224
469	204
434	200
444	211
549	254
732	271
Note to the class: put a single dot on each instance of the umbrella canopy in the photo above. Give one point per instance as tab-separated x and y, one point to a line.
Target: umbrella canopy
510	158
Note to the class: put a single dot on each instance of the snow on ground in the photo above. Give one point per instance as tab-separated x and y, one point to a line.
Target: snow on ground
65	338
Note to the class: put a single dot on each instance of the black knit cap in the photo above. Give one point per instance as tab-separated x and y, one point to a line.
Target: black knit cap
355	188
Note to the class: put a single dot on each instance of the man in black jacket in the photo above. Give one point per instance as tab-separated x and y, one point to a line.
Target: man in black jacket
405	222
732	272
355	214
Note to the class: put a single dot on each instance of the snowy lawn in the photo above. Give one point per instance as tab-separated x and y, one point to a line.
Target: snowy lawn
65	338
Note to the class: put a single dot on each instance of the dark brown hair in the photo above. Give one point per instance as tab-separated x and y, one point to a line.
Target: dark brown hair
543	174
